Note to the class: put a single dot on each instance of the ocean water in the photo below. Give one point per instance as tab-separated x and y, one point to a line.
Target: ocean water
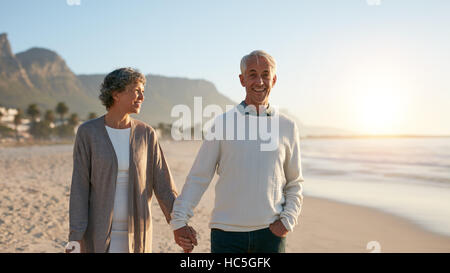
408	177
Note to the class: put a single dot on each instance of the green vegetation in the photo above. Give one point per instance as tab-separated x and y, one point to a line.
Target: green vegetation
61	109
49	116
33	111
92	115
6	131
40	130
18	121
165	129
43	128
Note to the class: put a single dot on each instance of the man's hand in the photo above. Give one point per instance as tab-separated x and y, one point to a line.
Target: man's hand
186	237
278	229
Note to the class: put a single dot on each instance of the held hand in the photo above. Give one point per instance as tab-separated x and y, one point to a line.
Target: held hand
278	229
186	237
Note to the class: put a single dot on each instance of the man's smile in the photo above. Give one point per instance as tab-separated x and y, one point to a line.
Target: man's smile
260	89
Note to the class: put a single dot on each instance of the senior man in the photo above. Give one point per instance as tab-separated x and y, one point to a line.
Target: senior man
259	190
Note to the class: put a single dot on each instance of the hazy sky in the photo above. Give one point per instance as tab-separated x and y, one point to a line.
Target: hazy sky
370	66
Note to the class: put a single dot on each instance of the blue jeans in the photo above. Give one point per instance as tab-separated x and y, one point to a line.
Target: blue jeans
258	241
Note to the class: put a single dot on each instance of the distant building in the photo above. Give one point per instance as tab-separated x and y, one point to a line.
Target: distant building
7	119
7	114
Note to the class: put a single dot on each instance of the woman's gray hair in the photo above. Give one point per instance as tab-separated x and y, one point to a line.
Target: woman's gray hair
258	53
117	81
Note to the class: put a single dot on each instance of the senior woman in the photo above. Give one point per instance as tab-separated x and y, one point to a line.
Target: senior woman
118	165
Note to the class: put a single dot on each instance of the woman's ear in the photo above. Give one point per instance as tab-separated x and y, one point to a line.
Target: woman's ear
115	96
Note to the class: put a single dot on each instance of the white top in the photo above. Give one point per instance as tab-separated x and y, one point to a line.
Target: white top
120	139
255	187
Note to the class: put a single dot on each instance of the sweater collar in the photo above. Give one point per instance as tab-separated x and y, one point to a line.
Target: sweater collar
242	107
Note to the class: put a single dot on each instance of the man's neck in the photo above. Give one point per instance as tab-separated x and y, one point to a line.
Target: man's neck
262	106
265	110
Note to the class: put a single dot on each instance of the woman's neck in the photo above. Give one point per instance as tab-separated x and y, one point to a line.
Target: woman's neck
117	120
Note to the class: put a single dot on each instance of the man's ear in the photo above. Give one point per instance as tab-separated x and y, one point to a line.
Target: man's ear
241	78
274	80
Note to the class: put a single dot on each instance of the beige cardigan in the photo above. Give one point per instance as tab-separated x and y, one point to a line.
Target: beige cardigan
94	181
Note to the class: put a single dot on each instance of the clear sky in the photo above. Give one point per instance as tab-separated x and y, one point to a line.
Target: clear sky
370	66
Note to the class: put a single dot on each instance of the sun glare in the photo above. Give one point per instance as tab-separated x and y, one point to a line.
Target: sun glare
380	109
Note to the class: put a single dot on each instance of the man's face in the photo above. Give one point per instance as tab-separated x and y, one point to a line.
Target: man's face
258	80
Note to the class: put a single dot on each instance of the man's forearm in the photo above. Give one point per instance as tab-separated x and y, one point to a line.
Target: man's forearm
197	182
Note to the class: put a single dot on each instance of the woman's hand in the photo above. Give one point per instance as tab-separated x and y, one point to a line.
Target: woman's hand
73	247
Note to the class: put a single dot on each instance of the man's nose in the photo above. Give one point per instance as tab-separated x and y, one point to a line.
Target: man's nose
259	81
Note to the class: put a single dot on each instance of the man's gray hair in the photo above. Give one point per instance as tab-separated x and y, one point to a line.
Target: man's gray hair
117	81
258	53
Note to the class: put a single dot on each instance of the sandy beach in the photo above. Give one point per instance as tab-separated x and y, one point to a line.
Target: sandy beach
34	201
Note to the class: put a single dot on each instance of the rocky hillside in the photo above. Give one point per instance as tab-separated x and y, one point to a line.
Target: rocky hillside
41	76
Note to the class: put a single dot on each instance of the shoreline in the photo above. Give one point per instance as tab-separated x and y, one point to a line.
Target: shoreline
13	143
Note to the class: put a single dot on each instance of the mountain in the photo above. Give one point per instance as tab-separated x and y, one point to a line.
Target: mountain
55	82
163	93
13	77
10	67
48	72
41	76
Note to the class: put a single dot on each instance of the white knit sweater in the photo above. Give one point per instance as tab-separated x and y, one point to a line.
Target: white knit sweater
255	187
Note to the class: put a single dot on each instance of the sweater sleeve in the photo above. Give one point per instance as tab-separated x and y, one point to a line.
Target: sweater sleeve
80	188
163	184
293	188
197	182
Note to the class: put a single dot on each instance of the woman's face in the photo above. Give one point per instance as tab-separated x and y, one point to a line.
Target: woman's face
131	99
